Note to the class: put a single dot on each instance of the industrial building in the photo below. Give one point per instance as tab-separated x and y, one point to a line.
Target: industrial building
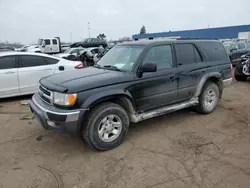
230	32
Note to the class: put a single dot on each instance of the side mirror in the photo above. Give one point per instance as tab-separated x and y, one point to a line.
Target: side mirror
149	67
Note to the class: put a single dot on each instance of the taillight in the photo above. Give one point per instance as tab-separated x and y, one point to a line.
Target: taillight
231	69
79	66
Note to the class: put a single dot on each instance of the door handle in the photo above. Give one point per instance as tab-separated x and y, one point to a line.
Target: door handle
9	72
47	69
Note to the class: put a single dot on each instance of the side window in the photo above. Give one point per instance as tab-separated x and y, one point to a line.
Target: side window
185	54
51	61
32	61
74	51
241	45
7	62
161	55
54	41
47	41
197	56
95	51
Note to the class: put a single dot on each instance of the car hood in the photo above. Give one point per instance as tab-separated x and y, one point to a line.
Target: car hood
61	55
84	79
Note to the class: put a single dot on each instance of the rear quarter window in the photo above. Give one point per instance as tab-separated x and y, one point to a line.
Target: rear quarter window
214	51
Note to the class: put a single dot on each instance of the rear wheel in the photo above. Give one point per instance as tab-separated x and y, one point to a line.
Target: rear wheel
239	77
209	98
106	127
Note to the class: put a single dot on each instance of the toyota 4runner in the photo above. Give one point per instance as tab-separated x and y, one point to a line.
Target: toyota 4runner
133	82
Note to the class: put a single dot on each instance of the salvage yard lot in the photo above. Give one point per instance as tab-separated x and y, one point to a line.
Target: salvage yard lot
182	149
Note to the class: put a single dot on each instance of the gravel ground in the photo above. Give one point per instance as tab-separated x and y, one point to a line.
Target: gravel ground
182	149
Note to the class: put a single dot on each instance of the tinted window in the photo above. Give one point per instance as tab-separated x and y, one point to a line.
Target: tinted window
214	51
47	42
161	55
197	56
54	41
74	51
51	61
32	61
7	62
185	54
94	51
241	45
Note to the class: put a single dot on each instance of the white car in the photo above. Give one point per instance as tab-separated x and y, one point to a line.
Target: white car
70	51
20	72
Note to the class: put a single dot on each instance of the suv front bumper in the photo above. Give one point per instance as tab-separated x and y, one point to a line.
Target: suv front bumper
52	118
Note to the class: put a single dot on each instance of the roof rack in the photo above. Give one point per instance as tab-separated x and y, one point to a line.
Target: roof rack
197	39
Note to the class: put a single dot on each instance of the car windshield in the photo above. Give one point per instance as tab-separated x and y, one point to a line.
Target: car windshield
67	51
121	57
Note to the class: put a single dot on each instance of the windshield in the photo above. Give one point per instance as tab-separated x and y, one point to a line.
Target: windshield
67	51
122	57
39	42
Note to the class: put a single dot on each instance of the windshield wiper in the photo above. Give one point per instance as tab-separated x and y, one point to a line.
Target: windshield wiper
112	67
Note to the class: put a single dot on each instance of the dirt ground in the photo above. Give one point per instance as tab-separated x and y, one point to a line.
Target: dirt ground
182	149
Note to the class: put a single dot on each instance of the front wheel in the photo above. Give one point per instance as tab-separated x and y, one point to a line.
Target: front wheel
209	98
239	77
106	127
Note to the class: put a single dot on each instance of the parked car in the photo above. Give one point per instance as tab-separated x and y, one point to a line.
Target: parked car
133	82
237	50
20	72
90	42
22	49
242	69
6	49
71	51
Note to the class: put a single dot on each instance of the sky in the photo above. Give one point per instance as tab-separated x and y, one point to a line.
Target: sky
25	21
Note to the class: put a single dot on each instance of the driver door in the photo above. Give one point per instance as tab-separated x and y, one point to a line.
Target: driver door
159	88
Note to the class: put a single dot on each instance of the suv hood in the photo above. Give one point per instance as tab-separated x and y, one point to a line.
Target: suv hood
84	79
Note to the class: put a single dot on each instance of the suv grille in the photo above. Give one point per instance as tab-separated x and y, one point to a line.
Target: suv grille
46	95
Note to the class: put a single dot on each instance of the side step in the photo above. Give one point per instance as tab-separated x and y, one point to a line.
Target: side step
163	110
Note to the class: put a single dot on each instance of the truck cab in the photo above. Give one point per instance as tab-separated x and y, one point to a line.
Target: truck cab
50	45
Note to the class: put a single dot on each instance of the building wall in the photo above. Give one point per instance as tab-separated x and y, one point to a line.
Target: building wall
213	33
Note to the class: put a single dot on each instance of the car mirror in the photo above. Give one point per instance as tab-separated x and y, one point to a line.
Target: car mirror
233	49
149	67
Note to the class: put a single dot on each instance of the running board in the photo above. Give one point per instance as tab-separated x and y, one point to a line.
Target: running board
163	110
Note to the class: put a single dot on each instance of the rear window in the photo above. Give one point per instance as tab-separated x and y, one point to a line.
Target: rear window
214	50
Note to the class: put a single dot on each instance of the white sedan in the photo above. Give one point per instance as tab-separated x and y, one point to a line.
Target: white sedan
20	72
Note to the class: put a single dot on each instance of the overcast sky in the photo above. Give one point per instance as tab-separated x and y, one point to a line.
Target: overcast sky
27	20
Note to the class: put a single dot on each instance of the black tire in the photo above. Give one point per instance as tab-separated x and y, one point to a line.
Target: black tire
202	108
239	77
90	128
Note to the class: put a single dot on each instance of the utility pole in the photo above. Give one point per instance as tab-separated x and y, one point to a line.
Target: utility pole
89	28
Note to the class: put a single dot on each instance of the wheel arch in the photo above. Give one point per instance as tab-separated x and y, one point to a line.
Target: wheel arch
212	77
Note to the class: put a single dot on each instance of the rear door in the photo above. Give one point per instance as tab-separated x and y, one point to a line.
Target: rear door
191	68
8	76
32	69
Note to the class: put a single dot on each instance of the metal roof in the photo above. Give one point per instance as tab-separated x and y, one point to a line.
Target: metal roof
218	33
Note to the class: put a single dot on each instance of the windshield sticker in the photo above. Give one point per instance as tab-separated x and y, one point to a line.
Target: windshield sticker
119	65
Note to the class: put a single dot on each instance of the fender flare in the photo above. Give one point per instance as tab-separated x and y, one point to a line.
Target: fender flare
106	95
204	79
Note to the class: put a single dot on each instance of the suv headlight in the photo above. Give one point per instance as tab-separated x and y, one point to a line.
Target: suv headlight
64	99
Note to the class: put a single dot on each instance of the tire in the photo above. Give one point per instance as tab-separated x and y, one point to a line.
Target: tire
209	98
97	126
239	77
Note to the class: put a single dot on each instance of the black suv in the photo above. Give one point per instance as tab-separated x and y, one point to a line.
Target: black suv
237	50
133	82
90	42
